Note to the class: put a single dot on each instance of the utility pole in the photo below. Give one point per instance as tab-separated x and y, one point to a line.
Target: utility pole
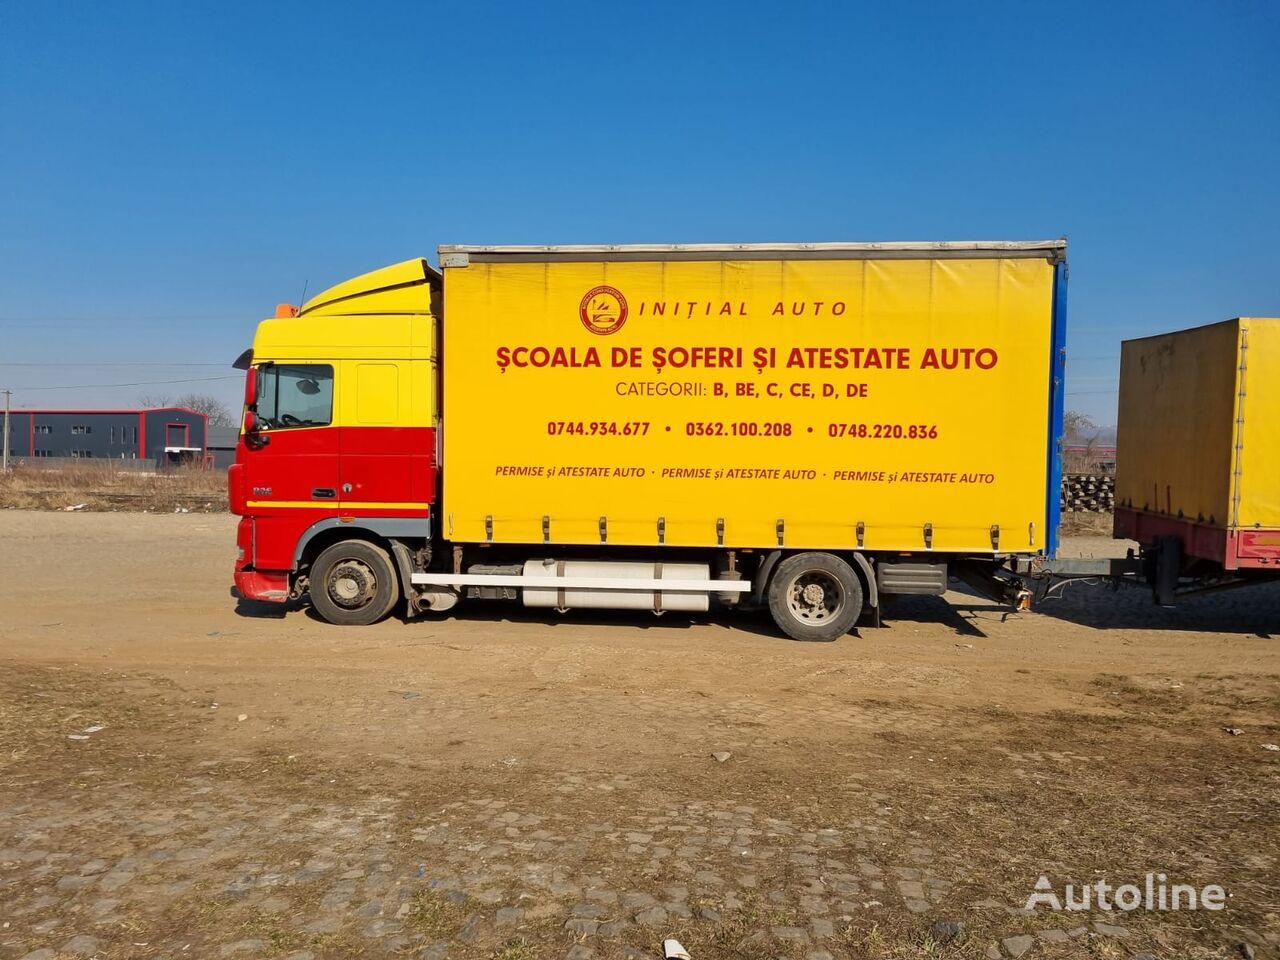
7	395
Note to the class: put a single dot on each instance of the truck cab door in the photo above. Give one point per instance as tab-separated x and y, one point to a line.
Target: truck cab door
388	444
289	457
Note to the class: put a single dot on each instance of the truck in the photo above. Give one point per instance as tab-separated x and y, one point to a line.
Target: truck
810	428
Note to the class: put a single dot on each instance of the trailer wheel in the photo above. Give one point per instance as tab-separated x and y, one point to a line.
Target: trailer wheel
353	583
815	596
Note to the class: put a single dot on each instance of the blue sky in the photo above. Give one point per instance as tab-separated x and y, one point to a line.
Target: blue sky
171	171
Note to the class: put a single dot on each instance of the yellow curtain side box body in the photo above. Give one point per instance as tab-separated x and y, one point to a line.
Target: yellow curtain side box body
883	399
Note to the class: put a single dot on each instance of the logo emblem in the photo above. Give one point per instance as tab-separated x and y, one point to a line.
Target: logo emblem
603	310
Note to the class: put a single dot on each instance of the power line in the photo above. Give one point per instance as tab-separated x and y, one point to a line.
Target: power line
138	383
120	317
113	363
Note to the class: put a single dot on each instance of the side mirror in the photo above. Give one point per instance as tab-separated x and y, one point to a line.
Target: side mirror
251	388
254	438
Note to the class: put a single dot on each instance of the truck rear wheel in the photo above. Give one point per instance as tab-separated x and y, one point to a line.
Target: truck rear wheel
815	596
353	583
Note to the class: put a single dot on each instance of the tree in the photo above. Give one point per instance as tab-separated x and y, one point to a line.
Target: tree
219	413
1077	427
1080	433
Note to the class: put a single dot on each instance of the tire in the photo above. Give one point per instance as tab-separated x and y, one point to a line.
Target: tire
815	597
354	583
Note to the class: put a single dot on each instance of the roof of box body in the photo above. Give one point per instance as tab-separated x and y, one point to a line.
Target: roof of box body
1054	250
1203	326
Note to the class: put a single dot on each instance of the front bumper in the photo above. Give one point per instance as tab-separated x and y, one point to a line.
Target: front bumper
269	585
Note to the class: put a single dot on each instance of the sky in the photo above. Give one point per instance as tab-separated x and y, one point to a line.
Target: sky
171	171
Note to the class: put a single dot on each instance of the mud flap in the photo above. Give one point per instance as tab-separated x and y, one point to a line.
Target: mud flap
404	566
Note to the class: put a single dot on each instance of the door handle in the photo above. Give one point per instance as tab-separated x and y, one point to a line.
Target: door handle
323	493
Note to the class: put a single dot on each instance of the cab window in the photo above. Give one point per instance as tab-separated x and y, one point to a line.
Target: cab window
294	395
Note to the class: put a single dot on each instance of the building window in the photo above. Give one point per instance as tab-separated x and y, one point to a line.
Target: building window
41	453
81	429
43	428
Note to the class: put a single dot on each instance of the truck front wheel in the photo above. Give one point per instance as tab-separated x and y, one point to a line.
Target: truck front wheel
815	596
353	583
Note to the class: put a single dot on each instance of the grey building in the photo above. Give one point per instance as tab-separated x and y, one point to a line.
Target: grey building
221	446
167	435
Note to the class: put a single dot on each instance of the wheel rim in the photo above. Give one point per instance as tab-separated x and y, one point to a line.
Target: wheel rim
351	584
815	596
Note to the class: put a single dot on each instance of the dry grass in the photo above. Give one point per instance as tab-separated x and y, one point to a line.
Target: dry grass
434	914
1086	525
100	487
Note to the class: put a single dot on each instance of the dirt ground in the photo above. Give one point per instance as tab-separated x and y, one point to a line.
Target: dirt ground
182	775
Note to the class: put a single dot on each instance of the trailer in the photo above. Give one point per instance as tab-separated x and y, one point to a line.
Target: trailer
809	428
1198	462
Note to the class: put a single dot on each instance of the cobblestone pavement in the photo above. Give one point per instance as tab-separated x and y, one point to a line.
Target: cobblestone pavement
464	877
